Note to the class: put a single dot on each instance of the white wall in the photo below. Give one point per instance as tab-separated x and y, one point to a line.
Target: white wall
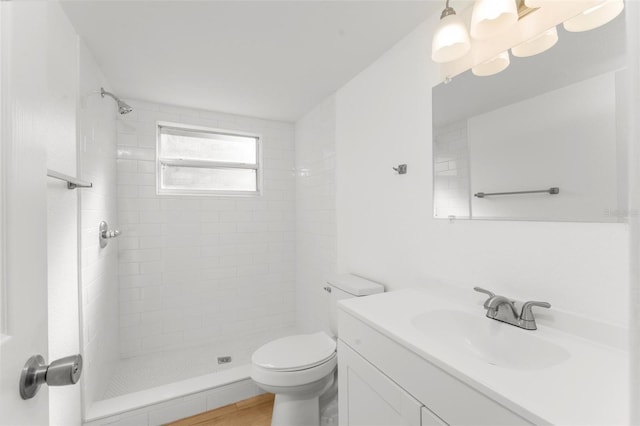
564	138
62	212
203	270
386	229
99	267
633	44
315	214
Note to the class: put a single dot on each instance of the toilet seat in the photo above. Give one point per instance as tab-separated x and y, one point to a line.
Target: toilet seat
298	360
290	379
295	353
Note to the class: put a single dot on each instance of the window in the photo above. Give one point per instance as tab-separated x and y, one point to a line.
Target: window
197	161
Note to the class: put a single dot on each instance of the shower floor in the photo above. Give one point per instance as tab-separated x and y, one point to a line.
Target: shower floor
139	373
144	372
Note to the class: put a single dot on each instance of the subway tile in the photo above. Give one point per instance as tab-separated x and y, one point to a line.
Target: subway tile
127	191
147	191
127	139
127	166
135	153
187	257
146	166
139	255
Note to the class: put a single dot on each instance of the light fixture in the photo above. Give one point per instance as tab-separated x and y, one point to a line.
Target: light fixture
451	40
492	17
536	45
595	16
535	3
492	66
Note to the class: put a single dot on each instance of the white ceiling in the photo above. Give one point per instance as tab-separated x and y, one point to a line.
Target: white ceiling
269	59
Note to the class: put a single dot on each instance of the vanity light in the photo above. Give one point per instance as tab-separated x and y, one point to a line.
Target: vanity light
451	40
536	45
492	17
492	66
595	17
535	3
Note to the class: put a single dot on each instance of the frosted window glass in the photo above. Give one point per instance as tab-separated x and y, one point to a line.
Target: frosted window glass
208	147
213	179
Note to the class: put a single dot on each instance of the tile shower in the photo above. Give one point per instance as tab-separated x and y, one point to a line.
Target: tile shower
198	277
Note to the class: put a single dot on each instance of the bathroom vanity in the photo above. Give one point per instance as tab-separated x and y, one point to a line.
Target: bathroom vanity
413	358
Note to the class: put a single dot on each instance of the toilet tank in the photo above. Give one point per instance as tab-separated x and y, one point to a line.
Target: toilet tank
345	286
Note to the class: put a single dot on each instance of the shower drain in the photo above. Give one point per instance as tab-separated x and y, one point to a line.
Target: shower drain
224	359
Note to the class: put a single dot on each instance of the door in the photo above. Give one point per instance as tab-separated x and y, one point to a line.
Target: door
23	256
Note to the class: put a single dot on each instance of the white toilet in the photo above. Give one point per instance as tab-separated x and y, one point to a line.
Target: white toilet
299	369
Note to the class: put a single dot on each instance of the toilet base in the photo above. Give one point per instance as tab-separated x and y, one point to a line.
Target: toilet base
288	411
298	405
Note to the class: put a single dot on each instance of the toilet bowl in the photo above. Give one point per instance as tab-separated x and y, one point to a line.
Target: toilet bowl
297	369
300	369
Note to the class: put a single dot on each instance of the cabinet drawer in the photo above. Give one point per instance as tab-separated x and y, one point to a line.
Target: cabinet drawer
446	396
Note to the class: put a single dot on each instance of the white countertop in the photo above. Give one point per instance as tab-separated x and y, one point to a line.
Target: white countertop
590	387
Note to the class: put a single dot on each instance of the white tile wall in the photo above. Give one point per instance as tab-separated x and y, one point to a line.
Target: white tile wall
97	159
62	213
198	270
451	171
315	214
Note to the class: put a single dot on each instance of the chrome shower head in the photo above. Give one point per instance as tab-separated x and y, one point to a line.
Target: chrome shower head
123	107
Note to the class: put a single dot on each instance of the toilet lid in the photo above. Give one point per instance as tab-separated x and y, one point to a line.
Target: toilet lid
294	353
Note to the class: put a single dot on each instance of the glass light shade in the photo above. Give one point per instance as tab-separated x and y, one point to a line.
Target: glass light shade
492	66
492	17
536	3
595	17
450	41
536	45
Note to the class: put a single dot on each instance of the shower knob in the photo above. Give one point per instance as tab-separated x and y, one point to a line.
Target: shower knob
61	372
105	233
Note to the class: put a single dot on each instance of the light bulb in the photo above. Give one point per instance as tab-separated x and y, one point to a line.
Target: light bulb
451	39
536	45
492	66
595	17
492	17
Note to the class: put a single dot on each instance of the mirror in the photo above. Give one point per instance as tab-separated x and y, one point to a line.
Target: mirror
554	120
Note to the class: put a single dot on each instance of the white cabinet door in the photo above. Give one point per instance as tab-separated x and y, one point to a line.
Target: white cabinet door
369	398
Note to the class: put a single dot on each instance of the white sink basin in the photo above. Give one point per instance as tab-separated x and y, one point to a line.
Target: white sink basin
492	341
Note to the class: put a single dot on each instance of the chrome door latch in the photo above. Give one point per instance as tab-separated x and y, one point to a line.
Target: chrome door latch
61	372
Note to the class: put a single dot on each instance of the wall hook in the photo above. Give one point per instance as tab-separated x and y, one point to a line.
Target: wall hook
401	169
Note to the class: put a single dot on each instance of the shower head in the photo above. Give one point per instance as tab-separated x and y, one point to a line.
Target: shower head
123	107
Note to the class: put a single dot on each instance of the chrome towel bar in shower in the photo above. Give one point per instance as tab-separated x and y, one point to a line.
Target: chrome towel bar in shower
72	183
552	191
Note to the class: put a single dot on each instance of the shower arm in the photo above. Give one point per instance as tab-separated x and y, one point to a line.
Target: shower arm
104	92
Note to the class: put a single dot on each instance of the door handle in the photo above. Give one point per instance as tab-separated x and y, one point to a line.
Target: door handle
61	372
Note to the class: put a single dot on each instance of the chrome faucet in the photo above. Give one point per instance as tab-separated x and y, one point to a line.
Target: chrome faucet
503	309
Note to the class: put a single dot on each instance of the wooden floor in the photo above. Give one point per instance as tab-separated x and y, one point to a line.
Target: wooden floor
254	411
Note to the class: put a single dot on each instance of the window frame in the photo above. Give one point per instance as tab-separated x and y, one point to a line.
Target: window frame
207	164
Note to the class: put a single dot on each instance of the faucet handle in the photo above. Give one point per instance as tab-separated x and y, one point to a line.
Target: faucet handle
527	313
482	290
487	292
